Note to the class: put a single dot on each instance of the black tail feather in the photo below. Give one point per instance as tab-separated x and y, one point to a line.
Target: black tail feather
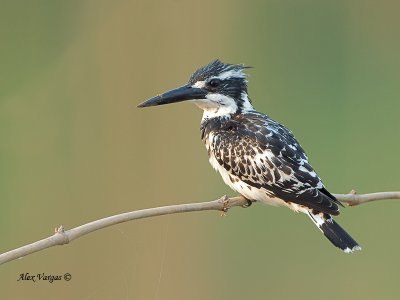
335	233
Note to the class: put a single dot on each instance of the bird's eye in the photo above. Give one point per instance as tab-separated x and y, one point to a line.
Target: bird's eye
214	82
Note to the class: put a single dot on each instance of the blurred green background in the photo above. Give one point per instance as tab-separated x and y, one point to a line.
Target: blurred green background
75	148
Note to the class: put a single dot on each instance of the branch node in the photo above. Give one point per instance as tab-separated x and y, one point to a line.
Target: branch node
225	205
353	192
61	231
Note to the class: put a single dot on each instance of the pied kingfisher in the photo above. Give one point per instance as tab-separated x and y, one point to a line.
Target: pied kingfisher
255	155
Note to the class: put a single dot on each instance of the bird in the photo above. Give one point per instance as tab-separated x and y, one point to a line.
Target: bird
256	156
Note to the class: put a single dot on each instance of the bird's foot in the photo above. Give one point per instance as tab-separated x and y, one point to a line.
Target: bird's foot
248	204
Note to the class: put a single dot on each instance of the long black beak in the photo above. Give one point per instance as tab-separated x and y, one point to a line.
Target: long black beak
182	93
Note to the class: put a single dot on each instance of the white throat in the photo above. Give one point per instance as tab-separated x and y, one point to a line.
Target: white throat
217	105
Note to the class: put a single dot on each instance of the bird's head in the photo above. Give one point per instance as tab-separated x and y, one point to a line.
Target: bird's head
217	88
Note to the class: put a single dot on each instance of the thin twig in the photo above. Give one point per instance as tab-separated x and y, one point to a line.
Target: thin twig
62	237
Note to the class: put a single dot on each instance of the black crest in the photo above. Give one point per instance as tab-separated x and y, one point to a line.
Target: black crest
214	68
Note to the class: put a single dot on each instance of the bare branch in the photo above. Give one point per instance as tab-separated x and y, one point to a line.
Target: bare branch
353	199
62	237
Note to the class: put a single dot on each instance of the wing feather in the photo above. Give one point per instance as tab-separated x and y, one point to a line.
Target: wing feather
266	155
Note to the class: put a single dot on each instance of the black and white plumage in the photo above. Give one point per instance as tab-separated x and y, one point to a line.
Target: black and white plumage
255	155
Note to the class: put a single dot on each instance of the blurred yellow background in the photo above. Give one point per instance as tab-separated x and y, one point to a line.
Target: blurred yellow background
75	148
